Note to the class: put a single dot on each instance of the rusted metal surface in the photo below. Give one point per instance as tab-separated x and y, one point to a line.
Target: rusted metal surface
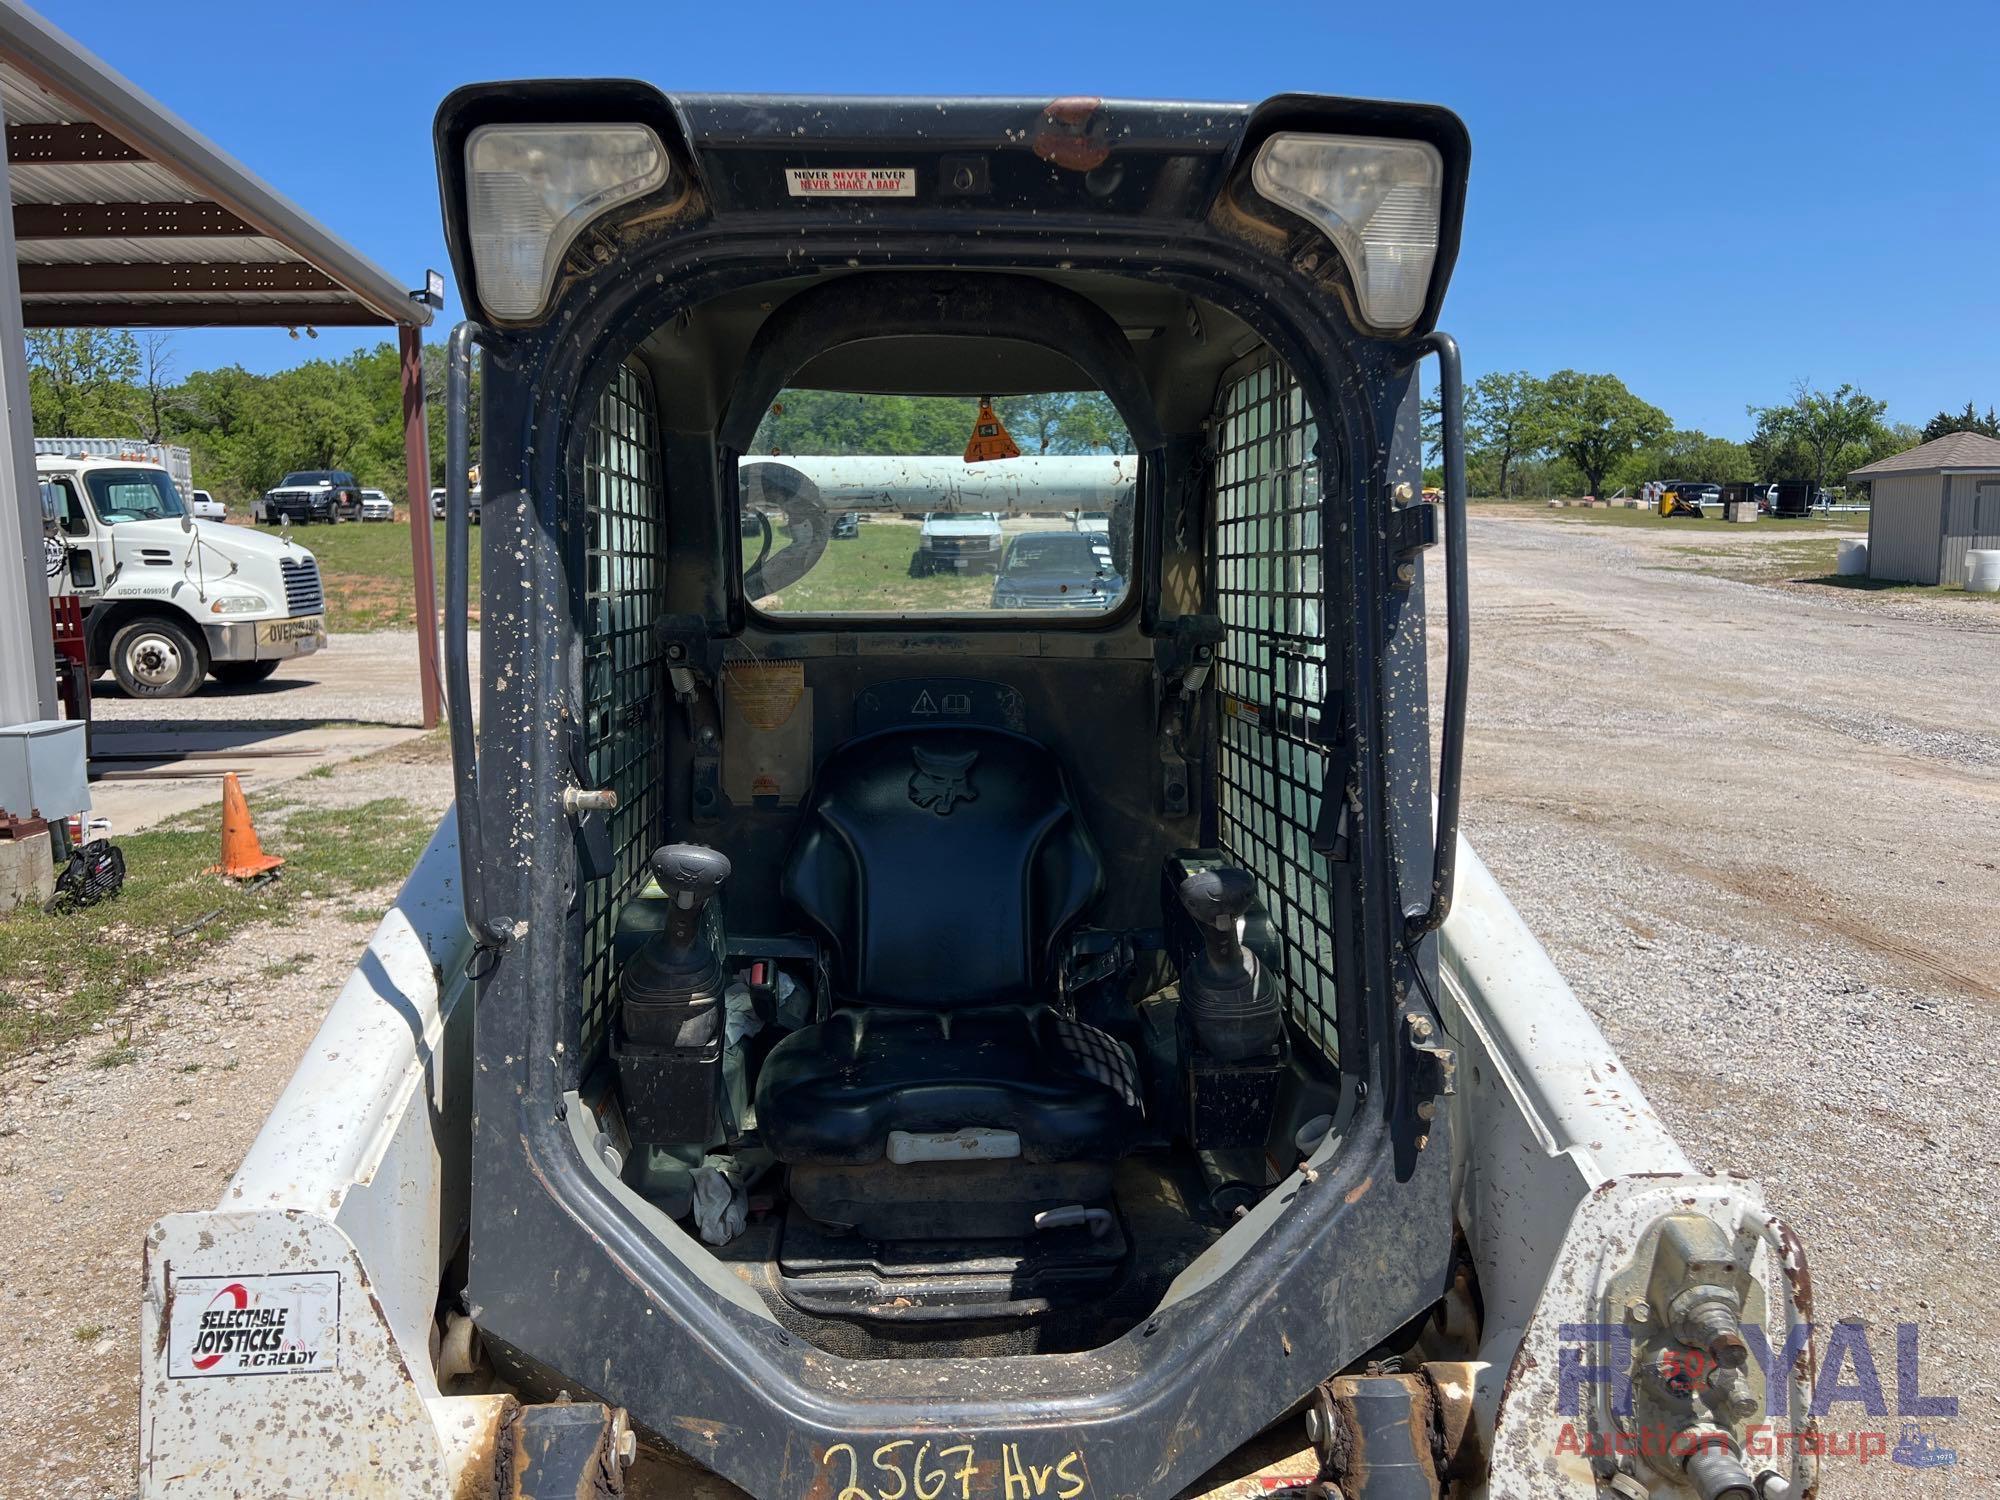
1380	1442
564	1451
1073	133
1461	1449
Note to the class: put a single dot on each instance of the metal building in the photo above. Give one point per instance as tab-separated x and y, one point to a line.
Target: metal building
1930	506
124	217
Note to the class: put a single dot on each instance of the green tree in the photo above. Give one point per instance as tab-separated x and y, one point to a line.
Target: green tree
1595	423
1945	423
1064	422
1506	420
1692	454
81	381
1822	432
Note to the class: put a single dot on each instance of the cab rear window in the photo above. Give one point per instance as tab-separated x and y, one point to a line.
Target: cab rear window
901	506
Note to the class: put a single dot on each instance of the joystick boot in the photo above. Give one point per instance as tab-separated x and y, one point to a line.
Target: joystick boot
1229	1001
670	993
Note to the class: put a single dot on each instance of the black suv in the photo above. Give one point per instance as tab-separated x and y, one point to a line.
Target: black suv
314	495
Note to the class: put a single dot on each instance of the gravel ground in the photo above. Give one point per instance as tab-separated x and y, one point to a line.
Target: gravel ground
1758	830
1760	835
357	679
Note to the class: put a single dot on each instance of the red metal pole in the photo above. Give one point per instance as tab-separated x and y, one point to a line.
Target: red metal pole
417	460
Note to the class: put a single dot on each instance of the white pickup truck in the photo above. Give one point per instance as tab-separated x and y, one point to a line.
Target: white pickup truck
169	600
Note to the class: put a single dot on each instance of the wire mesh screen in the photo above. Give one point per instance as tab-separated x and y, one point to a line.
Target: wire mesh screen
622	580
1270	593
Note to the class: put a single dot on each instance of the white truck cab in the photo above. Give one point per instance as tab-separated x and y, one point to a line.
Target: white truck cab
168	599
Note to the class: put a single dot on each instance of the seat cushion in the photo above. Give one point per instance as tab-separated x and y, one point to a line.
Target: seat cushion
832	1093
942	867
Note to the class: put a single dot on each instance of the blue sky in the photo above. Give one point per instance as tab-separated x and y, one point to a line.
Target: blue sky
1711	201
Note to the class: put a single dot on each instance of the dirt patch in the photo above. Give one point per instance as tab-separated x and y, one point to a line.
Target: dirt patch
148	1113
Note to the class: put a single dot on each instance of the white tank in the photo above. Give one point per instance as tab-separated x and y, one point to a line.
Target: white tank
1852	560
1982	571
926	483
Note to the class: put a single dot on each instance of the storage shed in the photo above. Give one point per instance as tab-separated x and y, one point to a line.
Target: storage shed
1930	506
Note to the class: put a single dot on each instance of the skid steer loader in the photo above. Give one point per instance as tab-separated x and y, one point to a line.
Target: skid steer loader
852	1041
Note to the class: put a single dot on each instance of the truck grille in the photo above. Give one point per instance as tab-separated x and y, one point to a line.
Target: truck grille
302	590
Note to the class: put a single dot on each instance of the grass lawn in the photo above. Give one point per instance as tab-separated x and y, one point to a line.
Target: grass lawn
365	570
1801	560
871	573
58	974
1855	523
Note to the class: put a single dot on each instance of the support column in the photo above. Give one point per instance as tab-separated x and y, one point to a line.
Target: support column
27	648
417	460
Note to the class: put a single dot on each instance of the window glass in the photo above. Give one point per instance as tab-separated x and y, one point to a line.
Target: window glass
122	495
866	504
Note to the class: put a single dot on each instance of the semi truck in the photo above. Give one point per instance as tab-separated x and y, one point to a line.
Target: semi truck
910	1049
169	600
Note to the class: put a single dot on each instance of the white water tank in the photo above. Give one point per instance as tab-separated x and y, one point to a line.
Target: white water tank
1982	571
1852	560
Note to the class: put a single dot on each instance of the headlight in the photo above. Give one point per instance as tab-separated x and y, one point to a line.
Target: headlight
1378	201
236	604
530	189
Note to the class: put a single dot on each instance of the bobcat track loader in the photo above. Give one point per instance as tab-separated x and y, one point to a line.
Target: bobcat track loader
851	1042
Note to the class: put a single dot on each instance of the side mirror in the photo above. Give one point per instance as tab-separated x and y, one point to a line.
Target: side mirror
52	506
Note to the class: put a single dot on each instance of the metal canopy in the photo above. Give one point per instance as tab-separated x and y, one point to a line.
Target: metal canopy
124	217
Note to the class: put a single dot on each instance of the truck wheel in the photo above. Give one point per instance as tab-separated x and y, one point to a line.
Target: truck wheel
920	566
157	657
242	673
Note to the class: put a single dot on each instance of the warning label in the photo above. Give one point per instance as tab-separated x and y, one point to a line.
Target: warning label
253	1325
851	182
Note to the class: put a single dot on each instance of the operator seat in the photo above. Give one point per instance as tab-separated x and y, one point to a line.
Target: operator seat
946	1096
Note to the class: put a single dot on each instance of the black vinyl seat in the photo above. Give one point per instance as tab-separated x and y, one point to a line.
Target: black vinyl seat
944	868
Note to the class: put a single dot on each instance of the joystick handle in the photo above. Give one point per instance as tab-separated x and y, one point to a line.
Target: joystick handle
1217	900
691	874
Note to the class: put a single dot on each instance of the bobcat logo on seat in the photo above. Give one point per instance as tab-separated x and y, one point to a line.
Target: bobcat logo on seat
941	782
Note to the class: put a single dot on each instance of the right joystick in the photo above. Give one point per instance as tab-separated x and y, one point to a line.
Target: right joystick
1218	900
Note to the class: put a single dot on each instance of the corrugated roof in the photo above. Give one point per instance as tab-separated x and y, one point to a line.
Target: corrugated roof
1955	450
124	216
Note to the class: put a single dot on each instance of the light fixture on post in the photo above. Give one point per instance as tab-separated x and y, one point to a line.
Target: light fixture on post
431	294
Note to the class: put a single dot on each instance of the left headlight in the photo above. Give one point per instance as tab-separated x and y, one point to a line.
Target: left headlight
1379	201
236	604
530	189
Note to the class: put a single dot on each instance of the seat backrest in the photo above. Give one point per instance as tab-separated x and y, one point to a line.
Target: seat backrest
943	866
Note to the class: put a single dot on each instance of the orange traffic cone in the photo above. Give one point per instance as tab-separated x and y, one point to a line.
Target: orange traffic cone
243	858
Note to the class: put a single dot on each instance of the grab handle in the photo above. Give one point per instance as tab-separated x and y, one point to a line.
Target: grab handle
1458	639
457	648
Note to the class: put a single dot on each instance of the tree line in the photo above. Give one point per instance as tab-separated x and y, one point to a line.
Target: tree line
1573	433
244	432
1568	433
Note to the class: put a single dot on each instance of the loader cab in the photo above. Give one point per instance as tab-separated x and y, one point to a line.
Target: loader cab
924	996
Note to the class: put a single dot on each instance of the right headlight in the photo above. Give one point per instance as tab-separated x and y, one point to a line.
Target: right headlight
1379	201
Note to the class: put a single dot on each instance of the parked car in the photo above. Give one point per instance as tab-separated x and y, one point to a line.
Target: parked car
847	526
376	506
1092	520
314	495
957	542
206	507
1057	570
472	507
